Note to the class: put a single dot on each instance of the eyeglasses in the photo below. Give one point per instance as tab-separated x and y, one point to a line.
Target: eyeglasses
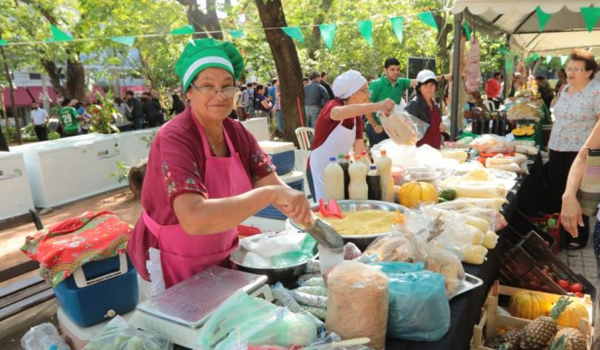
575	70
228	91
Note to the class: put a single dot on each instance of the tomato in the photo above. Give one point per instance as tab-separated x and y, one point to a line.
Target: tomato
575	287
563	284
579	294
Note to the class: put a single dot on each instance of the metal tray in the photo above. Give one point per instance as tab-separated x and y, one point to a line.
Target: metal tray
471	282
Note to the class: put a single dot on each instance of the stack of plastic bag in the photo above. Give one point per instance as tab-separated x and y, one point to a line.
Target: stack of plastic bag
119	335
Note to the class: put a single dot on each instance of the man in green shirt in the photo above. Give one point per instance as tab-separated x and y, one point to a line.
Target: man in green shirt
388	86
69	118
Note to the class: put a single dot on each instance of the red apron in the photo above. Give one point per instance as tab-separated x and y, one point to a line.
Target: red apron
433	136
183	255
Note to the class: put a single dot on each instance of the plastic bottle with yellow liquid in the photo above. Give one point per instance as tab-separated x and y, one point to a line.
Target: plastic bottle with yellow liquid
333	180
358	188
384	168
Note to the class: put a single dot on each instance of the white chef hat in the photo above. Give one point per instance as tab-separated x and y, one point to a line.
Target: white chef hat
347	84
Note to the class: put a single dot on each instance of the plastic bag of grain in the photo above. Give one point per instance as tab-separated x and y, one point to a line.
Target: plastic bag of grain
357	306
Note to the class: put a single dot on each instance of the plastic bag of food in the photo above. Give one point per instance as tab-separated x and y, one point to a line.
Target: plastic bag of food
447	264
283	329
391	247
357	306
492	144
119	335
238	311
493	217
329	259
270	244
43	336
418	309
403	128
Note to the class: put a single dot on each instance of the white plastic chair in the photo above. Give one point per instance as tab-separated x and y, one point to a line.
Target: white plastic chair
489	105
305	137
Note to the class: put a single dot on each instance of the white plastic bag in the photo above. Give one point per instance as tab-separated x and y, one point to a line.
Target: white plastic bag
155	271
119	335
271	244
43	336
403	128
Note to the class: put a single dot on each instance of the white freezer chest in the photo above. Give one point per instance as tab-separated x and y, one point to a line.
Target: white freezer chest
134	145
69	169
15	193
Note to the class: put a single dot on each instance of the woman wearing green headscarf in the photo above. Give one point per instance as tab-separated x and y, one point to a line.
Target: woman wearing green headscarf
206	173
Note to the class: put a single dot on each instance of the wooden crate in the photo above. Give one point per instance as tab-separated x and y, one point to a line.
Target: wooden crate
490	319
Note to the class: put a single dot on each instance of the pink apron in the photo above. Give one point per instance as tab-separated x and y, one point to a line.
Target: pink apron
183	255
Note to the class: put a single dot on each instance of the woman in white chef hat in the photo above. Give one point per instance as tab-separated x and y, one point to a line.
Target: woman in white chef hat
339	125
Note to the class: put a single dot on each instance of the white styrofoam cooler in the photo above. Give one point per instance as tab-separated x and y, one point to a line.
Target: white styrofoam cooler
134	145
65	170
14	186
259	127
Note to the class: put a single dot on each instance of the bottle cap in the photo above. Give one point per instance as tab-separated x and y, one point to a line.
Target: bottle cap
383	152
347	157
340	156
332	159
363	153
357	157
373	167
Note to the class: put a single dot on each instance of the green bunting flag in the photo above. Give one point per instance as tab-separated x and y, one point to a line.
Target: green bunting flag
397	27
549	59
294	33
366	29
563	60
183	30
59	35
535	57
543	17
126	40
508	64
427	18
590	17
328	34
236	34
3	42
467	30
502	50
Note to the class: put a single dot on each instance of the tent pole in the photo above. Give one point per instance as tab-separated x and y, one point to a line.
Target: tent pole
455	75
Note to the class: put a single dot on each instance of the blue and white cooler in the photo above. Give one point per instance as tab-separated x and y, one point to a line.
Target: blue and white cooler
84	258
282	154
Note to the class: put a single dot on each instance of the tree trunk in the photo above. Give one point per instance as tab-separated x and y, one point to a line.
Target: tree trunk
287	64
76	79
203	22
12	97
54	72
315	44
3	143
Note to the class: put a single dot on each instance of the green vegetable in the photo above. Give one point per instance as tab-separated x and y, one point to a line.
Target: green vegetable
448	195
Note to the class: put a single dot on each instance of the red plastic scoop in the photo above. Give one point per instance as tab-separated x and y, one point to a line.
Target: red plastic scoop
332	209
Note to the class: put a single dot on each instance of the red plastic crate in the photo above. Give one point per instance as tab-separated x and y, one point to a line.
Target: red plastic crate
554	231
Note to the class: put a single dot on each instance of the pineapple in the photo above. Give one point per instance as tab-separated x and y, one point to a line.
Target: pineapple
537	334
508	341
575	340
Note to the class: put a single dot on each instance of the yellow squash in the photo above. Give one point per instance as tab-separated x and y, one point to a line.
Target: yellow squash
570	317
529	305
414	193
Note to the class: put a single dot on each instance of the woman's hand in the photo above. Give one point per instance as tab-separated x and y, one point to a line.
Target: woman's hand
442	127
292	204
570	215
378	129
386	106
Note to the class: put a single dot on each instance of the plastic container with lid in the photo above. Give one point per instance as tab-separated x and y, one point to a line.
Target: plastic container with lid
374	184
333	179
384	168
358	188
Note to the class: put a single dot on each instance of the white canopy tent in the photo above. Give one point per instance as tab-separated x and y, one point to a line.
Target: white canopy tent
517	19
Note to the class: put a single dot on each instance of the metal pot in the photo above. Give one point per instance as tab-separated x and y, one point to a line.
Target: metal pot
362	241
286	275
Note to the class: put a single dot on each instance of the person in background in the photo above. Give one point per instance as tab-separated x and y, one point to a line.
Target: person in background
85	116
124	117
545	90
326	85
248	101
423	106
570	215
206	174
576	112
272	95
305	81
69	118
517	84
391	86
238	103
152	111
39	119
493	89
136	110
562	80
262	105
277	107
177	107
315	97
339	126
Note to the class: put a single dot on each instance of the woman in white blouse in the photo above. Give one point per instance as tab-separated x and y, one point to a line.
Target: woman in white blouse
576	112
